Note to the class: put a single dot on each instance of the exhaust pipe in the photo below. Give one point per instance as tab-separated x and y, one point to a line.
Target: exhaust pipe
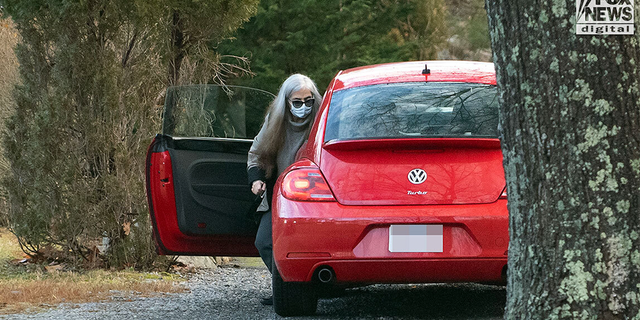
325	275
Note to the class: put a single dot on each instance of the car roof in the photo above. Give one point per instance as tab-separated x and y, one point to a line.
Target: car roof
440	71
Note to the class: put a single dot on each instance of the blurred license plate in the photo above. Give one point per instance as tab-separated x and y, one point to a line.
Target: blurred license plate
415	238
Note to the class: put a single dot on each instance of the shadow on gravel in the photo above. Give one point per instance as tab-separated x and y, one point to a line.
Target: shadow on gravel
431	301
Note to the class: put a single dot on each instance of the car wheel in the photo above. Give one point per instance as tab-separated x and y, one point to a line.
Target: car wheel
292	298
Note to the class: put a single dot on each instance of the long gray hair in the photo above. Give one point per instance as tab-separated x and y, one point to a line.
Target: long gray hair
277	116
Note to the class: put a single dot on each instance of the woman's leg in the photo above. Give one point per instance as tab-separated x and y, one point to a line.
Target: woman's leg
264	240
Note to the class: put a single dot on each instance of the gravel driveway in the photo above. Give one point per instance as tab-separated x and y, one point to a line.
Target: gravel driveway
232	293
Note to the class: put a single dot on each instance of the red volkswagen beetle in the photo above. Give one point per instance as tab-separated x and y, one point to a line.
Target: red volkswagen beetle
401	181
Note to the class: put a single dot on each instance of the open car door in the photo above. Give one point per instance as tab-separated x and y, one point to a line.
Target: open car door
199	199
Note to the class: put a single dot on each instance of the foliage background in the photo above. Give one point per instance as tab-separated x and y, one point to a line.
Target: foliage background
92	74
319	38
9	70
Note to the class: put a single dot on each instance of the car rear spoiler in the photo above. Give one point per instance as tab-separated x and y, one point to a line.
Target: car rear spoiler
413	144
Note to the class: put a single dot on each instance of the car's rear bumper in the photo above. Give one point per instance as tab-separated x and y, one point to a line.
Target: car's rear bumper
354	242
364	271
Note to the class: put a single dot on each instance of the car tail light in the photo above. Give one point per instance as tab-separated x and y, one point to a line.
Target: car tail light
503	195
306	184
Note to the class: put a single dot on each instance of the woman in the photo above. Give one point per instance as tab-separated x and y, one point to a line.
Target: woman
286	126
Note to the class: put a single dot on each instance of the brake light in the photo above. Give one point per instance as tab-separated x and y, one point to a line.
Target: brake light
503	195
306	184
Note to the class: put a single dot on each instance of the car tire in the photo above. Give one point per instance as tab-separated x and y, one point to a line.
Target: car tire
292	298
331	292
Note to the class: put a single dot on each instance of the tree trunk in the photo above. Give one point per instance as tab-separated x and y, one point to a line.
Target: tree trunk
570	118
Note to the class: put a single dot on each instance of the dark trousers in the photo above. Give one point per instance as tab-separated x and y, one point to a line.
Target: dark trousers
264	240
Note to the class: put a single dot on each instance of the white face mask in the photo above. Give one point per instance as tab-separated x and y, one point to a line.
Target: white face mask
302	111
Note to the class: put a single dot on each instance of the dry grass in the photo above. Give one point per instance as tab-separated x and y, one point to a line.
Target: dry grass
8	64
9	77
31	288
9	248
43	290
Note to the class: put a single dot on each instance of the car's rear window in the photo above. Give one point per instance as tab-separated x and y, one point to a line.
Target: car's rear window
414	109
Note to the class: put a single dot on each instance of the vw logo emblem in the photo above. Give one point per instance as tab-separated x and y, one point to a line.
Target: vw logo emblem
417	176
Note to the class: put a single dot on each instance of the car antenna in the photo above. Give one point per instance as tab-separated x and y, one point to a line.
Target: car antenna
426	70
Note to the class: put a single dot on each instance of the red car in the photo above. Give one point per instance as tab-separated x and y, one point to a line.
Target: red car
401	181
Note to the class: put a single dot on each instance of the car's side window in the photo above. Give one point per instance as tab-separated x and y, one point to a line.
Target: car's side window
214	111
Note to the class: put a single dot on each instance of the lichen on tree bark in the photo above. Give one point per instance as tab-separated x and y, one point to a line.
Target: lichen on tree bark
570	119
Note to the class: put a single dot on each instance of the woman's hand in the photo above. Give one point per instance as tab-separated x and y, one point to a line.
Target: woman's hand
258	187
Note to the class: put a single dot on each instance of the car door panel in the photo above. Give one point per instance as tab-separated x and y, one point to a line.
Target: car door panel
215	196
199	199
190	222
